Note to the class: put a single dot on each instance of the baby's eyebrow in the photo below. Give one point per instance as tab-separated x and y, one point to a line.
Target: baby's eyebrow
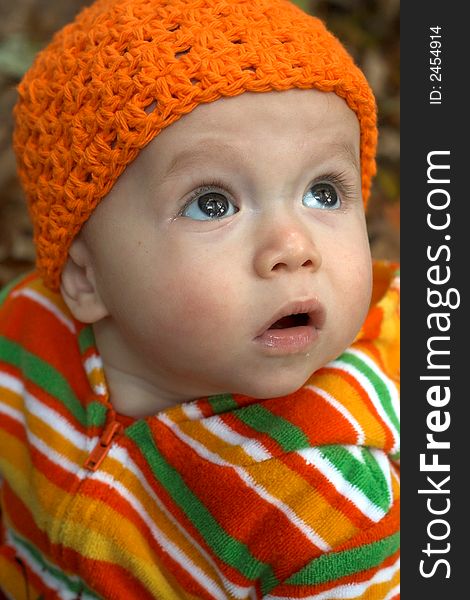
346	150
194	156
217	149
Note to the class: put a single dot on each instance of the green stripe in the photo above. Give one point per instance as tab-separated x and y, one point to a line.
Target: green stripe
5	291
329	567
378	384
286	434
228	549
86	339
379	492
367	476
221	403
75	585
51	381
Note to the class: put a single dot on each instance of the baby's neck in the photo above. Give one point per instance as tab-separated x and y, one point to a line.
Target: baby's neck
131	392
133	396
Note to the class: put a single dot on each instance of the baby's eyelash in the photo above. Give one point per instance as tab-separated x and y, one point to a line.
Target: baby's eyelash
342	181
204	188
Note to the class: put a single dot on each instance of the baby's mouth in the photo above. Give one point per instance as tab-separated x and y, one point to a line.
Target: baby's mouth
297	320
293	328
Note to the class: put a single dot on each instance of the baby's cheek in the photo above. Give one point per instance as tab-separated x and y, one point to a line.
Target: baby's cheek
201	304
352	295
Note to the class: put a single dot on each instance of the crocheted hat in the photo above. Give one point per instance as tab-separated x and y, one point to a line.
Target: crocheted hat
124	69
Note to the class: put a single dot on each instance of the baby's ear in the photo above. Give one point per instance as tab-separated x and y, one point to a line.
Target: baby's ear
78	285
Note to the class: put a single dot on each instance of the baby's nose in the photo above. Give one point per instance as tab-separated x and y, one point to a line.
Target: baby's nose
287	249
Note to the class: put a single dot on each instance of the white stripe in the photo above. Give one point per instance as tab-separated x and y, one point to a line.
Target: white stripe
11	383
192	411
355	452
220	429
395	473
372	394
59	423
46	576
47	415
313	456
47	304
393	593
93	362
82	442
350	591
100	389
121	455
384	465
12	413
51	418
391	387
343	410
59	459
168	546
252	447
200	449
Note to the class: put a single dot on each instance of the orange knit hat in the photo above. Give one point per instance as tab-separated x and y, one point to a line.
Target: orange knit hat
124	69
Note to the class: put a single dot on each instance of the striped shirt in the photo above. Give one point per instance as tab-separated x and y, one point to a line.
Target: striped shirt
224	497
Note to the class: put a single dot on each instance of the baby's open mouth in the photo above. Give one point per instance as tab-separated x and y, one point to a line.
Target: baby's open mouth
293	329
295	316
297	320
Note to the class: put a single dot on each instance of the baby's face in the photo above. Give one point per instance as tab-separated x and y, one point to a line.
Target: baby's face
238	215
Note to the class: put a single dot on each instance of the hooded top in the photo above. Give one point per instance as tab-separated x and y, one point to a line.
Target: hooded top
222	497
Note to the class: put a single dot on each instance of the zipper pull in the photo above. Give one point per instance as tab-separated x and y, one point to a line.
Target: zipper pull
99	452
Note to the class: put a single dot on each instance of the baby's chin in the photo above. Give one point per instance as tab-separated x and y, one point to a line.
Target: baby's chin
274	387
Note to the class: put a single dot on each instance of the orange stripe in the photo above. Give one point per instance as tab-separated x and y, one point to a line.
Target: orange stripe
231	420
318	481
13	578
51	402
222	499
327	424
11	399
340	384
177	512
102	576
60	351
95	489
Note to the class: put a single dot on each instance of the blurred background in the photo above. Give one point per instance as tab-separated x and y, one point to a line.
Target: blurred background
368	28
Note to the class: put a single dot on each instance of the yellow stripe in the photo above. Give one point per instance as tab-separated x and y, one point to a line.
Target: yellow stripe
56	299
13	583
347	395
52	507
97	379
11	399
56	441
127	478
379	591
286	485
233	454
274	477
92	544
395	488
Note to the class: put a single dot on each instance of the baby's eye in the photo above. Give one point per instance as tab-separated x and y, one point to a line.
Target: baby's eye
322	195
209	206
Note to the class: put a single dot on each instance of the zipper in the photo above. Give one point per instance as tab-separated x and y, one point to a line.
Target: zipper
100	451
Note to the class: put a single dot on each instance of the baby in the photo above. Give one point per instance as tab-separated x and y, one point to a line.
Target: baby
198	385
